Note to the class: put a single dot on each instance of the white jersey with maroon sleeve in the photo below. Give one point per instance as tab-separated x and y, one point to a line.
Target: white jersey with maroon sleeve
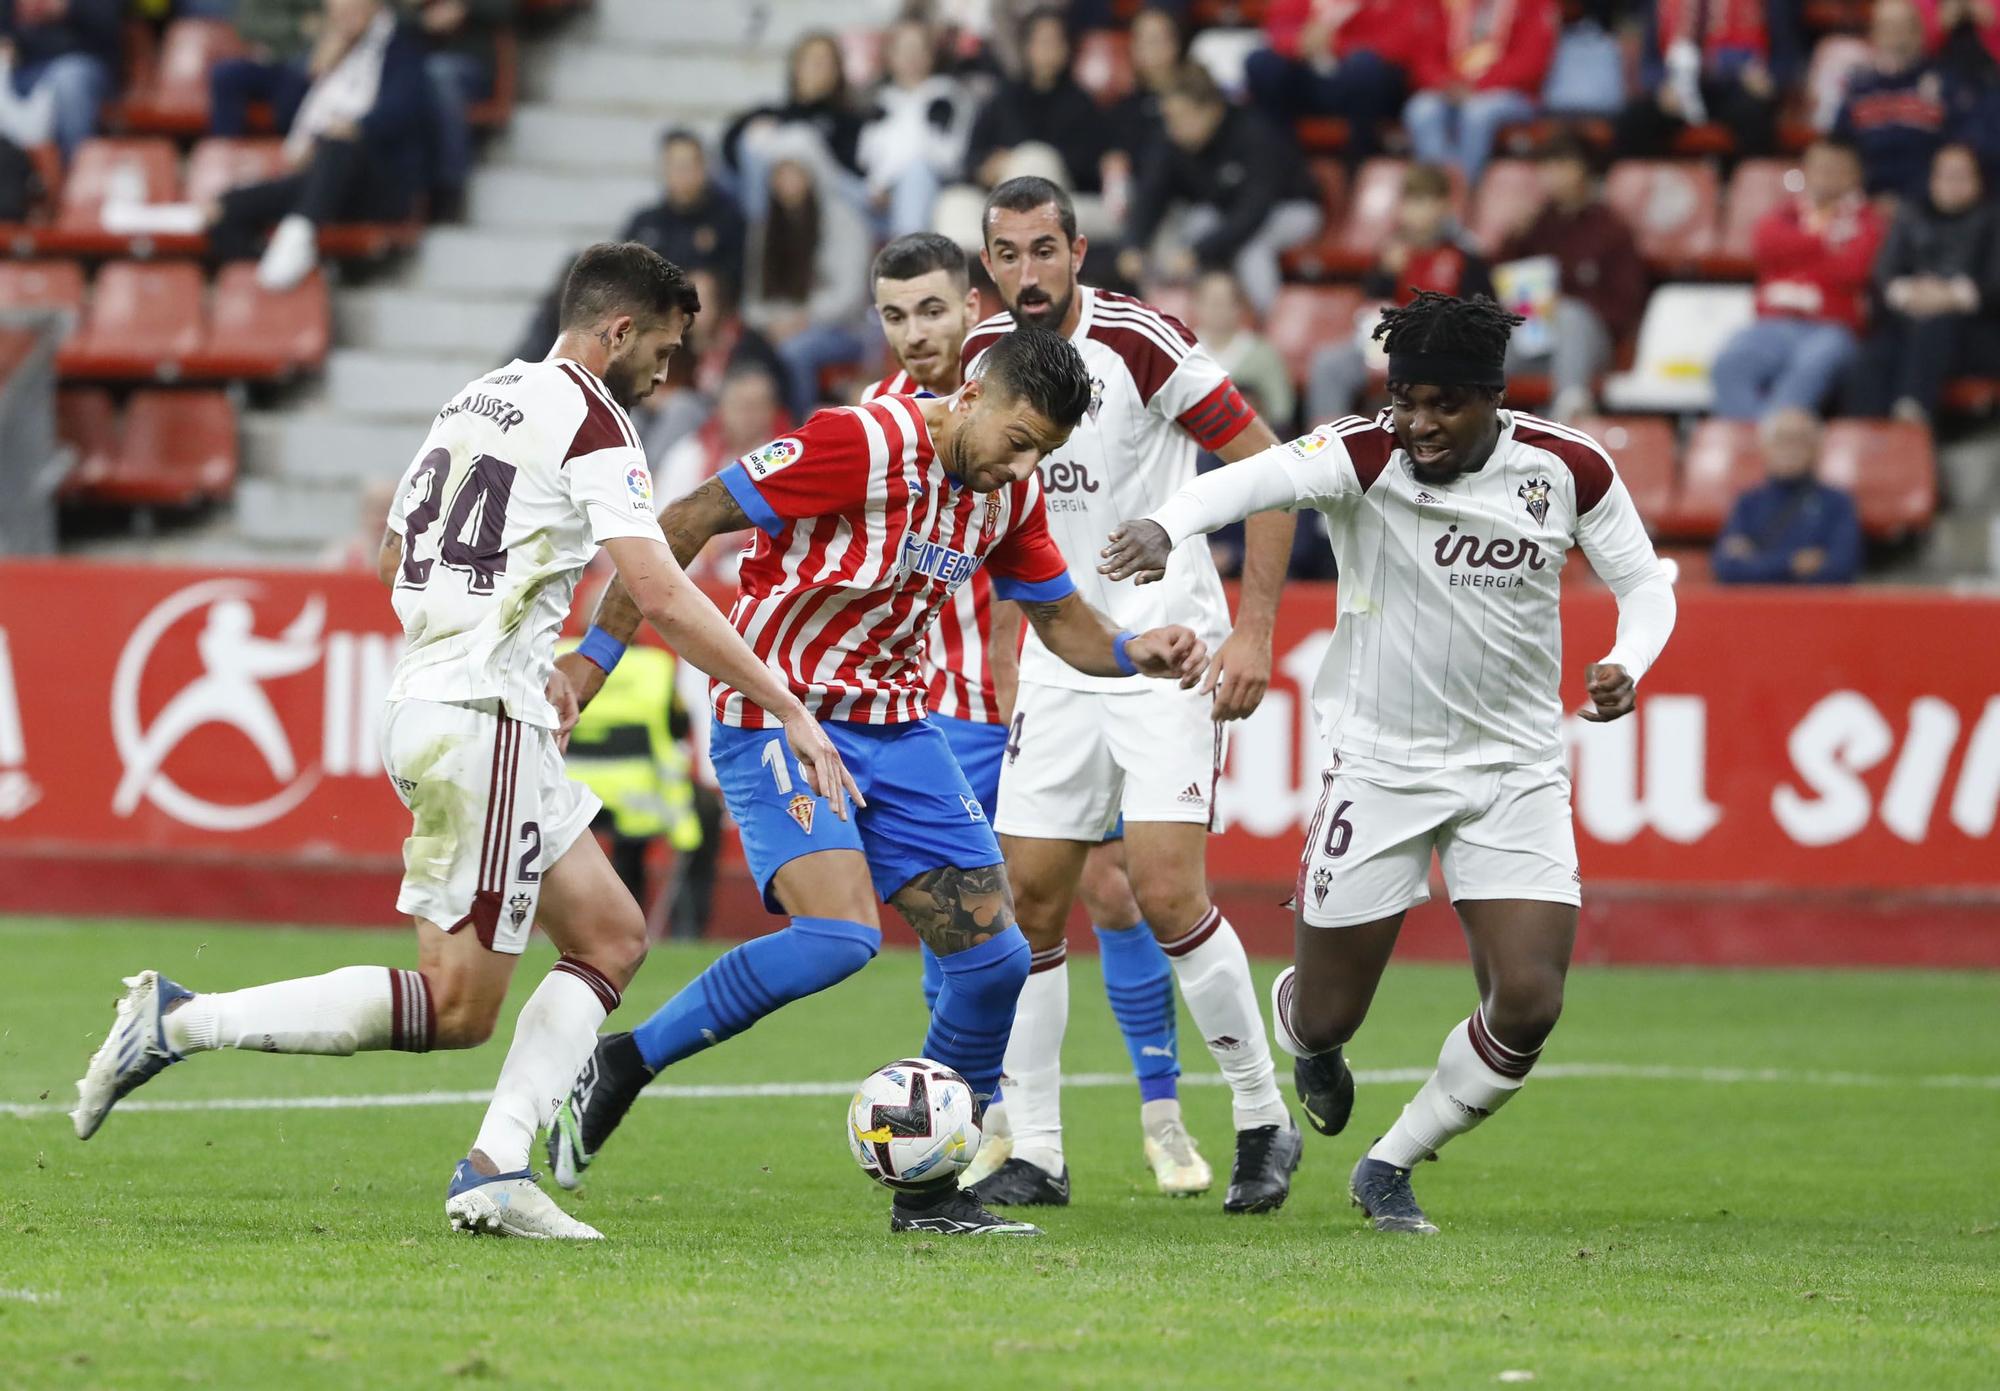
862	538
1448	647
1157	400
523	475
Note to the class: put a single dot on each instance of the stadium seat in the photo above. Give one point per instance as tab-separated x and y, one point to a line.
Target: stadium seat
1371	210
1103	65
1304	317
99	167
42	285
143	320
1888	467
175	100
1315	258
87	421
1683	330
1722	460
221	162
256	333
1670	206
178	448
1757	186
1643	448
1509	194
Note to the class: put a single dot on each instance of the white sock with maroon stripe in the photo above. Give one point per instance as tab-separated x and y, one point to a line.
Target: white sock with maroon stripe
1032	1084
1214	976
556	1031
1476	1074
357	1009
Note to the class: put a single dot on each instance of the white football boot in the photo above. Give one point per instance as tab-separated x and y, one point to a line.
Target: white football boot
1177	1165
509	1205
134	1052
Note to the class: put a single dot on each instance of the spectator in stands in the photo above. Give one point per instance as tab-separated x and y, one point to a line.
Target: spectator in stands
1901	106
1602	279
462	35
280	37
1964	36
918	139
749	414
808	258
1791	529
362	551
1938	280
67	49
355	150
1427	250
1222	320
1729	62
1486	74
1814	253
718	343
1043	107
1157	50
1346	58
1220	187
816	96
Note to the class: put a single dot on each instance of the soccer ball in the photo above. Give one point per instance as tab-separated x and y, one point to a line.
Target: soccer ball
910	1124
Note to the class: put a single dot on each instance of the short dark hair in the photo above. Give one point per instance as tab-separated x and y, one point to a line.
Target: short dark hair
1193	82
1024	195
624	278
681	135
920	253
1566	146
1043	369
1476	329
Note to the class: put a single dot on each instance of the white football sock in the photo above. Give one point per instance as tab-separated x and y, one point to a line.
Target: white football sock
356	1009
1476	1074
554	1035
1214	976
1033	1064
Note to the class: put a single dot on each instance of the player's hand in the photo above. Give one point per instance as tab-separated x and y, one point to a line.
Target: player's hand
1611	692
1239	674
1138	551
1172	653
820	761
585	677
562	695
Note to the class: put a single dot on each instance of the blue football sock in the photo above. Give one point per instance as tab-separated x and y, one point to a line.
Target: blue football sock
933	976
751	981
1140	982
975	1010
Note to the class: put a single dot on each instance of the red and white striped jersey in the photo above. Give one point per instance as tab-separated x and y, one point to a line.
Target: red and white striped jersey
961	680
863	538
1157	400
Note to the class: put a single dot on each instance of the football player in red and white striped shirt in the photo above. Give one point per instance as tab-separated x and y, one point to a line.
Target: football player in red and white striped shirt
869	519
924	300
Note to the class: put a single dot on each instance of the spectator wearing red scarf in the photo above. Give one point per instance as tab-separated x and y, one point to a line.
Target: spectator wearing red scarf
1346	58
1485	76
1722	61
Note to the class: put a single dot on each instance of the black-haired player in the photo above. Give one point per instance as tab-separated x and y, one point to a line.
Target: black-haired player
1438	701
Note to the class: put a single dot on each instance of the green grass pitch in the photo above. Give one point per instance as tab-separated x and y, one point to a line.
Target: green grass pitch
1828	1220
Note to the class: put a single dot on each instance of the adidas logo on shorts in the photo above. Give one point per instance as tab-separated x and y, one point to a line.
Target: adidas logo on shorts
1193	796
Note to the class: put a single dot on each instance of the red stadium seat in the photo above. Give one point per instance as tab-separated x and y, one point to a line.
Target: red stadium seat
177	448
1321	135
1314	258
99	166
1304	317
87	421
144	320
1757	186
1103	65
1888	467
256	333
1721	461
220	163
1642	446
1371	210
175	100
1670	206
42	285
1509	194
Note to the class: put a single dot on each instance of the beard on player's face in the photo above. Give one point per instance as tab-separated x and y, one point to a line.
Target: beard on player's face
1042	305
996	442
1445	430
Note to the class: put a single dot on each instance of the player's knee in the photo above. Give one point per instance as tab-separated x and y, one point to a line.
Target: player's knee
844	945
615	942
465	1019
1172	909
1324	1023
1107	897
1522	1010
1042	919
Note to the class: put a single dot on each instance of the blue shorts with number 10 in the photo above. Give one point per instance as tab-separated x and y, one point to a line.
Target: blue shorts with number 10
921	815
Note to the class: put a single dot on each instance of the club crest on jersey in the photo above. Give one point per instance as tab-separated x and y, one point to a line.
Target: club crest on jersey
950	568
800	809
517	909
1096	398
973	811
779	453
639	486
1534	495
1322	881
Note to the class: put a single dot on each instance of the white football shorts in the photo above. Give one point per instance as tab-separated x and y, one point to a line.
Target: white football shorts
1077	760
1501	831
490	808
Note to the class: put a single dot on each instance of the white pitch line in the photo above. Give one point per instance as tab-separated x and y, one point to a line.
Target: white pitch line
735	1091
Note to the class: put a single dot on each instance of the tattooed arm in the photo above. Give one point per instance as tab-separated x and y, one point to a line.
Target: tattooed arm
687	524
953	910
1085	639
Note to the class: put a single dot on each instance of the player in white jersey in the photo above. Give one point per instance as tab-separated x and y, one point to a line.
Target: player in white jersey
1084	750
1438	699
922	296
523	475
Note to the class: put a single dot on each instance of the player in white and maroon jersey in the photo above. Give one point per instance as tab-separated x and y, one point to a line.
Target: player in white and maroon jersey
869	519
523	475
924	300
1438	699
1084	750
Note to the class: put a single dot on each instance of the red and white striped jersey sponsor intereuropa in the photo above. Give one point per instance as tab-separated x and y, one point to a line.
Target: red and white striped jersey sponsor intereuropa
862	538
961	679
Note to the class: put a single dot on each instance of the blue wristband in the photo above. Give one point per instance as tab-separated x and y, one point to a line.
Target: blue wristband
601	648
1119	655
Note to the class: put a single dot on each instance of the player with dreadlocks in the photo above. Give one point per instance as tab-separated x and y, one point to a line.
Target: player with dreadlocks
1438	701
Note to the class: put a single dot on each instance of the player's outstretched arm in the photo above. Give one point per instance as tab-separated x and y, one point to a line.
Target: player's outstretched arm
1240	671
1138	550
1085	638
1615	541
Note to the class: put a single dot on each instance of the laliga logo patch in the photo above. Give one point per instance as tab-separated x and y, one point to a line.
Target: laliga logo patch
639	485
1534	495
773	456
800	810
1305	446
